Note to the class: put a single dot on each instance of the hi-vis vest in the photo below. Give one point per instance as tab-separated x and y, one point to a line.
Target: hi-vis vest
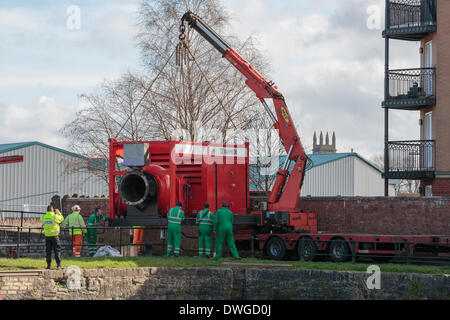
205	218
50	222
173	216
75	221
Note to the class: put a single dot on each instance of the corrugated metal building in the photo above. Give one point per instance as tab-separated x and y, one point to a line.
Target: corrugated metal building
336	174
44	172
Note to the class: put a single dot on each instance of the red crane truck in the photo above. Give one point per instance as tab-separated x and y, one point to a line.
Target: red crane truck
159	174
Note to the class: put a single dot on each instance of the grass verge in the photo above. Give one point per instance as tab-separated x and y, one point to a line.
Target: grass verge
189	262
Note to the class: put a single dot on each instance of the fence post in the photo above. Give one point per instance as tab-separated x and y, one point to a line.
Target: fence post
302	249
19	234
21	219
29	239
353	251
18	242
407	252
120	239
252	247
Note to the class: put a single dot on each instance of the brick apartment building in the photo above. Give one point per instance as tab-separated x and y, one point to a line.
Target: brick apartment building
426	89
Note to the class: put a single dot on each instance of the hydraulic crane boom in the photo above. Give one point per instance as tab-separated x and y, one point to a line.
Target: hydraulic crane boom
286	190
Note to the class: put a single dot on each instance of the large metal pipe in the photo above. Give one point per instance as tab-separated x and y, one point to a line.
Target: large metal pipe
138	188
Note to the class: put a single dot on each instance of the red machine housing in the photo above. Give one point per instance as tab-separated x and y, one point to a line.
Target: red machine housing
186	172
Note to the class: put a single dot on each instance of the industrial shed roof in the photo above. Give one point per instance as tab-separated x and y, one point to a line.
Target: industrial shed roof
324	158
7	147
321	159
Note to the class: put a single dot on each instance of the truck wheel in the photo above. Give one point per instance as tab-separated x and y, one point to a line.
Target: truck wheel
276	249
309	249
339	250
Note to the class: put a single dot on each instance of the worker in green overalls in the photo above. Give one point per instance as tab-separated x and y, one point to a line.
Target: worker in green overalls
93	222
174	218
223	225
205	221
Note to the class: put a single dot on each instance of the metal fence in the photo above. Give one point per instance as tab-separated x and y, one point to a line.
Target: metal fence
412	156
412	83
307	249
412	13
29	238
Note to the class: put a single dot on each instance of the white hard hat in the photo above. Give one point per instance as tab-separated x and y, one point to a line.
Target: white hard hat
76	208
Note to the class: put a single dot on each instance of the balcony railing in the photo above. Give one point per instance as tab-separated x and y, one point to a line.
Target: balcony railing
411	88
411	19
411	159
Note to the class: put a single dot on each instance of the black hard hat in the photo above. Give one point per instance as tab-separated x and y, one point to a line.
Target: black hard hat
206	205
179	204
225	204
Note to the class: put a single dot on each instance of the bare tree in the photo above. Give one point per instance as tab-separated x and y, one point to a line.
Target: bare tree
110	112
207	92
378	160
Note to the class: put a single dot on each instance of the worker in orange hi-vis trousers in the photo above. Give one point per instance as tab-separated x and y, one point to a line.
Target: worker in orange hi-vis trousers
77	227
138	235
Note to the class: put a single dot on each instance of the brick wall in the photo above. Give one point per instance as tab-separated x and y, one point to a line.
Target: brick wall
441	187
412	216
441	114
87	205
401	215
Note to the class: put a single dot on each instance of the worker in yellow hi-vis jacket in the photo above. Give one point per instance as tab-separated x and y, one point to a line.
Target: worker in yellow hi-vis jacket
77	227
50	223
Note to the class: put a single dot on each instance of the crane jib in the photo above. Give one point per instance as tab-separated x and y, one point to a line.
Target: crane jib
286	189
215	40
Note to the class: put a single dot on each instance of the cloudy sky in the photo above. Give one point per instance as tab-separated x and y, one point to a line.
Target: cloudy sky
325	58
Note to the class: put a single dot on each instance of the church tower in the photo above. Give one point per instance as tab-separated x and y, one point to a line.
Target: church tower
322	148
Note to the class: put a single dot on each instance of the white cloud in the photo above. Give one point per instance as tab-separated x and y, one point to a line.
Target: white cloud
53	79
20	19
38	122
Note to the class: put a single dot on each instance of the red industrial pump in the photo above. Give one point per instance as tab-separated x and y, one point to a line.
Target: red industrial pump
155	175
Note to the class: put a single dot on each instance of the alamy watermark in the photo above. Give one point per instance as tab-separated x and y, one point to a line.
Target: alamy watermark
73	21
74	278
374	280
374	17
266	148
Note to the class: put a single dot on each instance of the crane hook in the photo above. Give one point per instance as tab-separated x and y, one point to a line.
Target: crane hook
182	31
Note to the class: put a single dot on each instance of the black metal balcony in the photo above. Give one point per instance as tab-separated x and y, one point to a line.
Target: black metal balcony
411	19
411	160
411	89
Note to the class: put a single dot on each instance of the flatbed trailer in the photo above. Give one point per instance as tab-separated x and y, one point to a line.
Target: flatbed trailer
341	247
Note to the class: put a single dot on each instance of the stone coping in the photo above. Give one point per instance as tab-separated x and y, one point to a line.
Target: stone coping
19	273
255	265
